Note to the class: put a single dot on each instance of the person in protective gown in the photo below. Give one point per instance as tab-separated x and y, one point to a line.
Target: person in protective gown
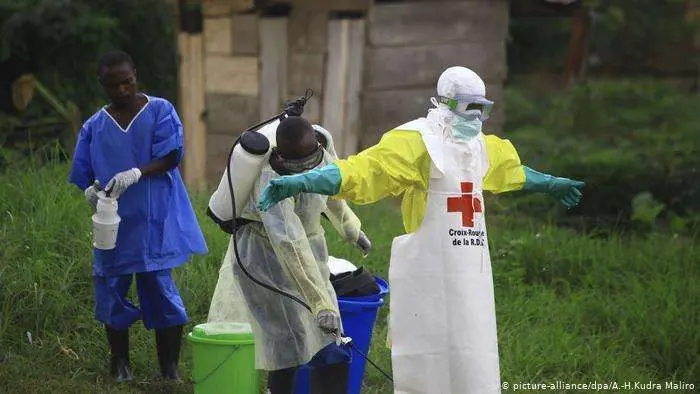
227	305
133	146
285	247
442	309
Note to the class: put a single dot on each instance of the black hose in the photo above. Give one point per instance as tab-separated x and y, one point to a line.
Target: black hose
295	108
386	375
235	241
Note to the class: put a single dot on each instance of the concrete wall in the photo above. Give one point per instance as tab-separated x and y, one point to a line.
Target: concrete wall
231	74
254	63
409	44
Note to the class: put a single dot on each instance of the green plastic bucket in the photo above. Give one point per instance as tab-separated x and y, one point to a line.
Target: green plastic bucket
223	357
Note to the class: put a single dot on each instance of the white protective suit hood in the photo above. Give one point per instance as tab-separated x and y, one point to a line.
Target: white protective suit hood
456	88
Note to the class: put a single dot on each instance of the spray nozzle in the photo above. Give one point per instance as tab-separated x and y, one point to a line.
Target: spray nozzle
292	108
341	339
296	107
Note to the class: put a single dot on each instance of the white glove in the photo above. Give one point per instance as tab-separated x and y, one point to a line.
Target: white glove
91	194
122	181
328	321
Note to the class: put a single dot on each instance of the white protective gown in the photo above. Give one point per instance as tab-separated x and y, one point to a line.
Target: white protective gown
442	303
284	247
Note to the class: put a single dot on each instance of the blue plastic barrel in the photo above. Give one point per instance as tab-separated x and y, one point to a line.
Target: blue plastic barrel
358	315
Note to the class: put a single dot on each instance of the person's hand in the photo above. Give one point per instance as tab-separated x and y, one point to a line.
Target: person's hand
566	190
328	321
91	194
280	189
364	244
121	181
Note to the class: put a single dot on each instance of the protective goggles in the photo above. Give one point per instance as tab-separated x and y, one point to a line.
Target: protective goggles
469	107
309	162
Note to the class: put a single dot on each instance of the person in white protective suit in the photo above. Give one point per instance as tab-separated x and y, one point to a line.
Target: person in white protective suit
442	308
286	248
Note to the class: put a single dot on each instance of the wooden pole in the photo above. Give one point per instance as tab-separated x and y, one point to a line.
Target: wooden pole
578	42
191	94
184	60
343	84
273	64
335	83
356	50
198	135
692	15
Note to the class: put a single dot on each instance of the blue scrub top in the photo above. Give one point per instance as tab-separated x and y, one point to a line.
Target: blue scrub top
158	229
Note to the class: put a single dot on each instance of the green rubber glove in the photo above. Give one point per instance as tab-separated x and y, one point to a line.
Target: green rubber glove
325	180
563	189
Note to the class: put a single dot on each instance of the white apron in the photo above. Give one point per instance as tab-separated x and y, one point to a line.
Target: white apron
443	317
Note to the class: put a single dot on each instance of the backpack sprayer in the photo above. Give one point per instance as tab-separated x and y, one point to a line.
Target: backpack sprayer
250	151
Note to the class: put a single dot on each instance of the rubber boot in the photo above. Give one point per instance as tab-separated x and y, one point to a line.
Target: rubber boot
119	346
168	347
330	379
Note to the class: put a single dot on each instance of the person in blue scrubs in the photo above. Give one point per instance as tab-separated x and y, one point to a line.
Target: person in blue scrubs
133	147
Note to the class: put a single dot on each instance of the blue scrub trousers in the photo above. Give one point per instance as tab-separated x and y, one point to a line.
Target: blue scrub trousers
160	303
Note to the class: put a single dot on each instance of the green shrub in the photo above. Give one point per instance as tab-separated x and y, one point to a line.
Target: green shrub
622	138
650	37
63	39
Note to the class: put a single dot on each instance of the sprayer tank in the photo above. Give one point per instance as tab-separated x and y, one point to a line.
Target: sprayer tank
249	155
248	158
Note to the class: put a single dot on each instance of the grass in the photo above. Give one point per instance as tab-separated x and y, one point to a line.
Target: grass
571	307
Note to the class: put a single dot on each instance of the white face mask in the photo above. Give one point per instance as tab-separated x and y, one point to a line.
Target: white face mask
461	127
465	129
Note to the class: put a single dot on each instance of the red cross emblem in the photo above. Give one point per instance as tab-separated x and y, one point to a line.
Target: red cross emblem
466	204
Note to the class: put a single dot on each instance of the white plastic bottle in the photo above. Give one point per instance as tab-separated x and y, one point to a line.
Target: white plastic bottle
105	222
